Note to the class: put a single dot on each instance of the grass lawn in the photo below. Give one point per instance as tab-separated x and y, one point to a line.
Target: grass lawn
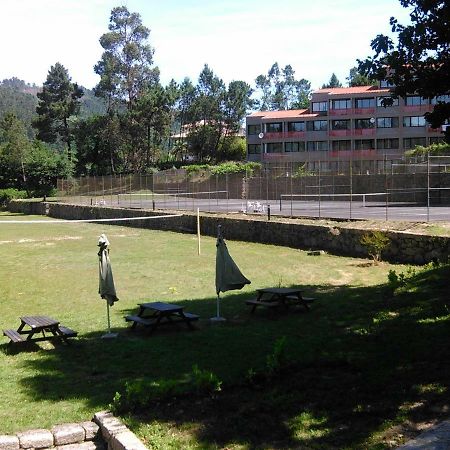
368	369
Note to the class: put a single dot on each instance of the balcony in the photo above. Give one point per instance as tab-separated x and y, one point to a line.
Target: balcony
338	133
434	130
341	112
364	132
357	154
284	135
364	111
417	108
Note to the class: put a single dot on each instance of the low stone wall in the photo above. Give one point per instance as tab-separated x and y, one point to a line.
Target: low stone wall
104	432
334	238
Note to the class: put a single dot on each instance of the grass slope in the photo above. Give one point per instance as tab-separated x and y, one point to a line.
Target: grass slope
367	369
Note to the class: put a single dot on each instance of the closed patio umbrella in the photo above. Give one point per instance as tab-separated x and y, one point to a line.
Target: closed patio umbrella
228	275
106	287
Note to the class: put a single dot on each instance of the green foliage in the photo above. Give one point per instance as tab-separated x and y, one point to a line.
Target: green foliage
58	102
232	148
375	242
280	90
224	168
139	394
441	148
302	171
278	359
333	82
414	64
6	195
356	78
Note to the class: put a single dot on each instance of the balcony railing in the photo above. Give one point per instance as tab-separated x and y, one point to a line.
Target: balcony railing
353	153
364	110
364	132
284	135
417	108
341	112
340	133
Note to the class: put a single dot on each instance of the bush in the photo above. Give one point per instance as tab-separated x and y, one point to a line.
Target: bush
375	242
6	195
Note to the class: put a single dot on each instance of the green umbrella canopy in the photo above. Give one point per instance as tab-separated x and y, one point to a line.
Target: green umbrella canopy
106	287
228	275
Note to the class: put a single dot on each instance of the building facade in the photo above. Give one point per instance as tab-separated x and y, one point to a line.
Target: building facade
343	127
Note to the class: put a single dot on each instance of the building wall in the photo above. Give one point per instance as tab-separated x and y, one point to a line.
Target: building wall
366	141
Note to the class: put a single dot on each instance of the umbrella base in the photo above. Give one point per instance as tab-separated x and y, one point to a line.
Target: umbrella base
217	319
110	335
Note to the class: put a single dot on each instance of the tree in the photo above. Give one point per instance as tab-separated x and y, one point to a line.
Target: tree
14	148
125	67
356	78
333	82
419	61
280	90
58	102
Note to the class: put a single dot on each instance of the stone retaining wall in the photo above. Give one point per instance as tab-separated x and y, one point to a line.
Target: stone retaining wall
334	238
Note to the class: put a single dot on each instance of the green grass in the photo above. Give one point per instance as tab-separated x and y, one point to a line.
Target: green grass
365	367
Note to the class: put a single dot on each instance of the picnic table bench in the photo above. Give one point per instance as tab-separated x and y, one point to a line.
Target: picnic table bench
34	329
154	314
275	297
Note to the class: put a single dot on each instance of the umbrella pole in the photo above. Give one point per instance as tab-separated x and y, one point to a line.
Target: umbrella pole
218	318
107	313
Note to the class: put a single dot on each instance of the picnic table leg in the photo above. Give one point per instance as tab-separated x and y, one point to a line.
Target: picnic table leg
186	320
155	325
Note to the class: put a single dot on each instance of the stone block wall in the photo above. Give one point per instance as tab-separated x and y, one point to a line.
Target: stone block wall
333	238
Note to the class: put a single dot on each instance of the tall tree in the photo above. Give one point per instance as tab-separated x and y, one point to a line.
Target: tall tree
14	148
280	90
332	83
419	61
125	67
58	102
356	78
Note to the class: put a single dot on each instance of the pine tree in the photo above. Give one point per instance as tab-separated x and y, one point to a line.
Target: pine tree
58	102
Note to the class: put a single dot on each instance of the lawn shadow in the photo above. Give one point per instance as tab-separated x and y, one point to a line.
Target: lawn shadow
357	363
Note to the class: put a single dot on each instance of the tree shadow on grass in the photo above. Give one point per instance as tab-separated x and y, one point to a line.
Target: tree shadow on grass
364	370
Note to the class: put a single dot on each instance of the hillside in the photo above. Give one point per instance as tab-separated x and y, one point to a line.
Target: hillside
20	98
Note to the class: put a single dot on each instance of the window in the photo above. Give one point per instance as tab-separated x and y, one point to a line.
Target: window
365	103
296	126
340	125
436	140
317	146
412	142
341	104
341	145
317	125
274	127
381	100
294	147
386	144
414	121
254	149
387	122
274	147
319	106
364	123
440	98
253	130
364	144
415	100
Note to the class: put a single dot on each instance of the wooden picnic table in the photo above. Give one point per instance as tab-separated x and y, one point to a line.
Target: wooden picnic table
154	314
39	328
274	297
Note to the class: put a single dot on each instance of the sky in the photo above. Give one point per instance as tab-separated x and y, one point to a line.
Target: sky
238	39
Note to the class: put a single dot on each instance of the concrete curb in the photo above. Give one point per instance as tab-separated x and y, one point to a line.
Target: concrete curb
436	438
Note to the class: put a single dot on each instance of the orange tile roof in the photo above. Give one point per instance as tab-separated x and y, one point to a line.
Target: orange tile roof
284	114
353	90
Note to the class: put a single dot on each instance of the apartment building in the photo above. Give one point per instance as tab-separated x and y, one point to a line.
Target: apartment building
343	125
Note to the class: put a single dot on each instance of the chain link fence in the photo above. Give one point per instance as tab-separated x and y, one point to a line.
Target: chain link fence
405	190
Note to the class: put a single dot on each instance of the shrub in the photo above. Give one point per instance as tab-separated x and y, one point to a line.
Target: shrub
375	242
277	360
6	195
